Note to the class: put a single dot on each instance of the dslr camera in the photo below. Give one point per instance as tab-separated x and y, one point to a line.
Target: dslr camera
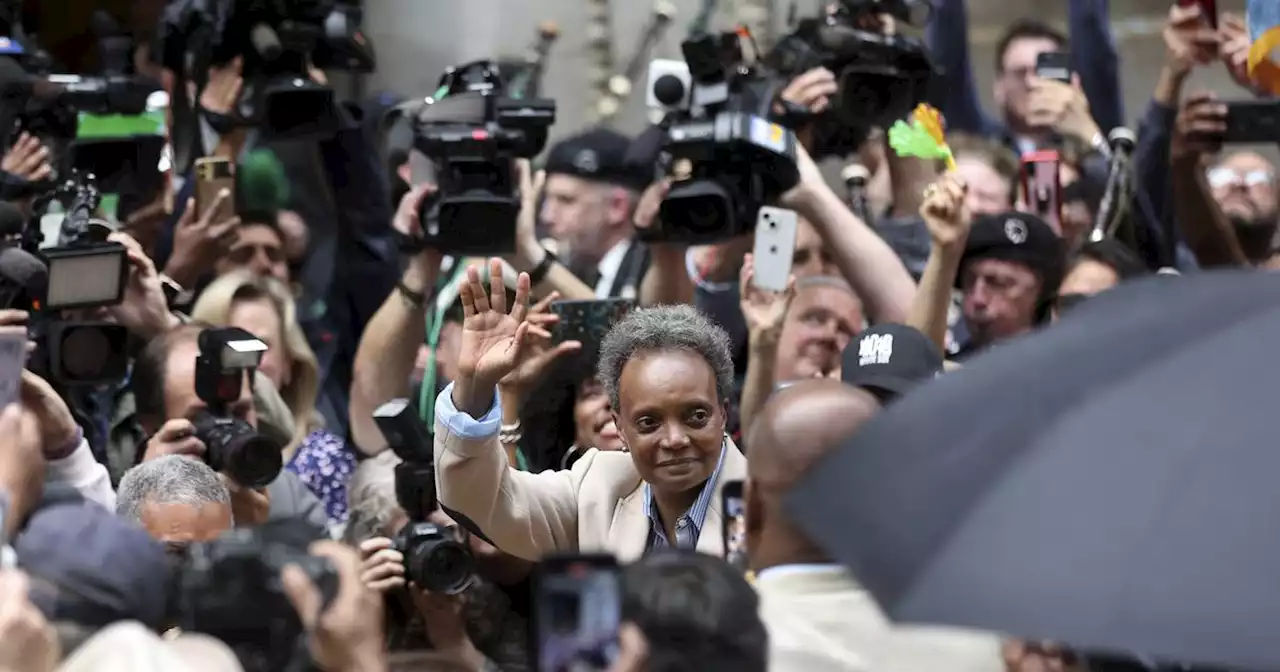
433	558
728	159
473	132
880	77
69	265
230	588
279	41
232	446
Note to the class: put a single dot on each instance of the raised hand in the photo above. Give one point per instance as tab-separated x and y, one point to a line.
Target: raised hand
1188	39
28	158
763	310
198	242
945	212
529	252
1233	33
541	353
494	342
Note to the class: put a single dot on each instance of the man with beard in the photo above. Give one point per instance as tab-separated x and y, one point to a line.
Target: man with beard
1226	211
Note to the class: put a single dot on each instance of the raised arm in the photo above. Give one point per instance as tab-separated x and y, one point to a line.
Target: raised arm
1095	59
947	37
866	261
524	514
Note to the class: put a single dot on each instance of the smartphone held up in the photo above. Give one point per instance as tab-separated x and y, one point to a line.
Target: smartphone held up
577	612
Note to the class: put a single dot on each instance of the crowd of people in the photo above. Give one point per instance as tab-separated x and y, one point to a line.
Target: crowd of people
131	542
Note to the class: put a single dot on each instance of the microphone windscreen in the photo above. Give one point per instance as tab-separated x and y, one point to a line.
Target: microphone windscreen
855	171
12	222
262	188
1121	137
22	268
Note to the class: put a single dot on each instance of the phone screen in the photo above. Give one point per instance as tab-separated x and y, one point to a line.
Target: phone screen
1054	65
578	609
735	524
1041	189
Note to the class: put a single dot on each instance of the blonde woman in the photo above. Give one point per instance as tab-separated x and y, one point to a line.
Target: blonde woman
264	307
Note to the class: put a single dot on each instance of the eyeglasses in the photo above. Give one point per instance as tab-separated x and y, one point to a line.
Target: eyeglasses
1223	177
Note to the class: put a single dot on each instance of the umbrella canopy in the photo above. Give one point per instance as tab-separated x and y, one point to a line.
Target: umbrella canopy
1112	483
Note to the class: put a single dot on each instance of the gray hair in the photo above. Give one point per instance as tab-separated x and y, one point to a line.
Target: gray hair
665	328
172	479
371	498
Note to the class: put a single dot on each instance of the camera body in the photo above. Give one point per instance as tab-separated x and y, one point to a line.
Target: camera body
433	559
232	446
231	589
881	77
473	133
81	270
728	159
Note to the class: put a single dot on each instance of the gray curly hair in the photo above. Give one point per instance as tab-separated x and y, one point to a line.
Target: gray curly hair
658	328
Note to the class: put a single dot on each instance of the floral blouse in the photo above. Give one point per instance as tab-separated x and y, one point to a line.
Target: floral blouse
324	463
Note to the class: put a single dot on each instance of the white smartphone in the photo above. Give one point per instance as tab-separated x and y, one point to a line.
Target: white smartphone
774	247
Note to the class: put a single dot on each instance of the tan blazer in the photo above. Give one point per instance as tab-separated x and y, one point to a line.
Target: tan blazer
821	618
596	506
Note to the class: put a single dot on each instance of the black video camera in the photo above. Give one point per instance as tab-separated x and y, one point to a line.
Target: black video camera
47	104
279	42
80	269
881	77
232	446
728	160
231	589
473	133
433	558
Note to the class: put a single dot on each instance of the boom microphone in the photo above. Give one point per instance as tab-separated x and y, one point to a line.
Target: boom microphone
856	176
1115	199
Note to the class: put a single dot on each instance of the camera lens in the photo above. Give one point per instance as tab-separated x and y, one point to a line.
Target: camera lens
440	566
233	447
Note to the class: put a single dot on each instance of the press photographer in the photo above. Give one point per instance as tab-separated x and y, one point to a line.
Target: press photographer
450	595
192	386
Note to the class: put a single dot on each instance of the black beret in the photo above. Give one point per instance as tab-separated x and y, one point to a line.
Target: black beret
597	154
1022	238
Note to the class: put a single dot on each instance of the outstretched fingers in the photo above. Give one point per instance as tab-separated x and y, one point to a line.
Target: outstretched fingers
497	287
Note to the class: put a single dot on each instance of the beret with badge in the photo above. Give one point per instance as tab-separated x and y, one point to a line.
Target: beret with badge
1021	238
600	155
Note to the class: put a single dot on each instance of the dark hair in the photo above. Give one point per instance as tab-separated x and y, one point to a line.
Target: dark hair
1027	29
150	367
1114	255
697	612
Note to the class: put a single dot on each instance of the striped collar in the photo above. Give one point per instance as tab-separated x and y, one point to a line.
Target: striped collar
696	516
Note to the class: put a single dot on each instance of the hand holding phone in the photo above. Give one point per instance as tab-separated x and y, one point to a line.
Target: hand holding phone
213	174
1208	10
735	524
1055	65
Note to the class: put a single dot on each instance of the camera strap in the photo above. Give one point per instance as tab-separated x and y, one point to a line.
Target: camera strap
432	323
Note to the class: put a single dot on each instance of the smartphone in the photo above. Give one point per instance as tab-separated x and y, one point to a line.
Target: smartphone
1054	65
735	524
775	246
577	608
1041	187
1208	8
213	174
1252	121
588	321
13	357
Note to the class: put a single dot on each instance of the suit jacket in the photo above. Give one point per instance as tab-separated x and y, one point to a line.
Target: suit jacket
595	506
820	618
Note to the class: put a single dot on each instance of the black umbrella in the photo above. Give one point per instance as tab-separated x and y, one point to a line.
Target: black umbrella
1112	483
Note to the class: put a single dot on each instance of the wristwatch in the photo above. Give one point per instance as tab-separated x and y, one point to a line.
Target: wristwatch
539	272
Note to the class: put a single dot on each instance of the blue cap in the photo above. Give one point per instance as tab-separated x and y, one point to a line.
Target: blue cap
91	567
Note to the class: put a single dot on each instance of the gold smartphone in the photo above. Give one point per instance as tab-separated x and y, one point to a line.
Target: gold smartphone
213	174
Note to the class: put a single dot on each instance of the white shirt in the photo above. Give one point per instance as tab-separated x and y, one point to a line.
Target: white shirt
608	268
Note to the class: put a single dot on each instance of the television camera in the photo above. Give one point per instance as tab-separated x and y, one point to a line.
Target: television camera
881	76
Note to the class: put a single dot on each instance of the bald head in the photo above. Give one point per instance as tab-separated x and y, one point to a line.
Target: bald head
801	424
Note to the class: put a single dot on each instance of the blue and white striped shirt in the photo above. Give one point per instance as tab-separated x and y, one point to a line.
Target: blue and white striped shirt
688	526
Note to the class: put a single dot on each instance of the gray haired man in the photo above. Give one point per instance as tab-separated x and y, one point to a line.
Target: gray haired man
177	499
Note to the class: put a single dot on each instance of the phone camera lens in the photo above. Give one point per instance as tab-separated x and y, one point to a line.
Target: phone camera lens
773	249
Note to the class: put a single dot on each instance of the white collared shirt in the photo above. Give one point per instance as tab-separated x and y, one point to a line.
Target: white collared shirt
609	266
797	568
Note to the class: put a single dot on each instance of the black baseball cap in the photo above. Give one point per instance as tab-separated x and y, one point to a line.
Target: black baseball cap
889	359
597	154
